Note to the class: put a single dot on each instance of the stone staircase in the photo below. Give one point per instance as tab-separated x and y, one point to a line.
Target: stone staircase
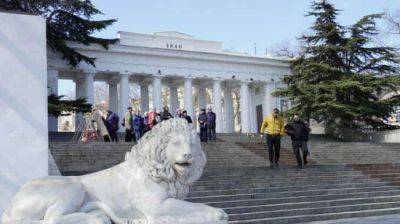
77	159
287	195
237	179
286	156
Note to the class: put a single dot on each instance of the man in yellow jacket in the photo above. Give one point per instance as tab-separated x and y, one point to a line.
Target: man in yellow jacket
273	127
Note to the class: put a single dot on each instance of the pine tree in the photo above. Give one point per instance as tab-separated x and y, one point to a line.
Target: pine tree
69	20
341	74
57	106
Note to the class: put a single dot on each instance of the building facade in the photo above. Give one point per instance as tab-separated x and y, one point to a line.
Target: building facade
176	60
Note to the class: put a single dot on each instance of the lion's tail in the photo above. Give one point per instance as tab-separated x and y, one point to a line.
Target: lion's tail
98	205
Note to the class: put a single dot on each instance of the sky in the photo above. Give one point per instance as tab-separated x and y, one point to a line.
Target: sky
239	24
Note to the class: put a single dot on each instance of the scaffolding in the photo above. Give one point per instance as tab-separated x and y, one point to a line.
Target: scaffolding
91	129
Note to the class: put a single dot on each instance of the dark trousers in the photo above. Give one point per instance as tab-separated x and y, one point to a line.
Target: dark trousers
138	134
296	145
274	147
203	134
128	135
113	136
211	133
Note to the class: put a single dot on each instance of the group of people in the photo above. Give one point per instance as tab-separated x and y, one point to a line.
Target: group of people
207	124
273	127
136	124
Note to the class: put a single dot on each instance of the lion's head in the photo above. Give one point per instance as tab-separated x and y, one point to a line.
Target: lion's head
171	154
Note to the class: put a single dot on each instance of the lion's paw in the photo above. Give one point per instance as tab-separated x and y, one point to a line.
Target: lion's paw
216	214
220	214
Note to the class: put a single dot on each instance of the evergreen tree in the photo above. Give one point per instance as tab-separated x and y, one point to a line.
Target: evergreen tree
341	74
69	20
59	107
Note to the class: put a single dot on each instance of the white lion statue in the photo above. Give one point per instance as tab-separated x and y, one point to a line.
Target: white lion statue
148	187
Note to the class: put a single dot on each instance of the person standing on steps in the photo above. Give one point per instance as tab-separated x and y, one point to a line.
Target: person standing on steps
273	127
152	121
138	125
186	116
112	120
166	115
298	132
127	123
203	125
211	123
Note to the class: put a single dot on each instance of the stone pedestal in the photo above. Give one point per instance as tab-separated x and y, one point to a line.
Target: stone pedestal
23	102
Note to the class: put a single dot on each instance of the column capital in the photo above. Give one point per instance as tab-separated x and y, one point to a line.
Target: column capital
89	72
157	76
188	77
125	73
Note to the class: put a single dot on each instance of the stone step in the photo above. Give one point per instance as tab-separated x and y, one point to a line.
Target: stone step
297	199
320	217
216	198
312	211
276	175
235	191
265	184
309	179
314	204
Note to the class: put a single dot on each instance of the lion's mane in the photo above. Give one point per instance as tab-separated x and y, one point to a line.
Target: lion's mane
150	155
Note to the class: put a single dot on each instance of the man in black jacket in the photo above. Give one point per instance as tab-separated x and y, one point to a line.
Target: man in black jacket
299	132
186	116
203	125
166	115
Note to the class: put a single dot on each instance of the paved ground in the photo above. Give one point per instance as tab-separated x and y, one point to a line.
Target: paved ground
388	219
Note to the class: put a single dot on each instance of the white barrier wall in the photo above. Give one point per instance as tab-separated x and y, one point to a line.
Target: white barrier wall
23	102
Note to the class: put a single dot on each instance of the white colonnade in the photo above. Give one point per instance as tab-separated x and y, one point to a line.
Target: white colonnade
221	95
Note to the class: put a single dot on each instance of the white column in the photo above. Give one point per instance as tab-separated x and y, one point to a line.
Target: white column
278	103
217	105
253	123
244	104
157	93
187	97
229	123
202	97
123	94
79	93
269	101
113	96
52	88
173	99
89	79
144	97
